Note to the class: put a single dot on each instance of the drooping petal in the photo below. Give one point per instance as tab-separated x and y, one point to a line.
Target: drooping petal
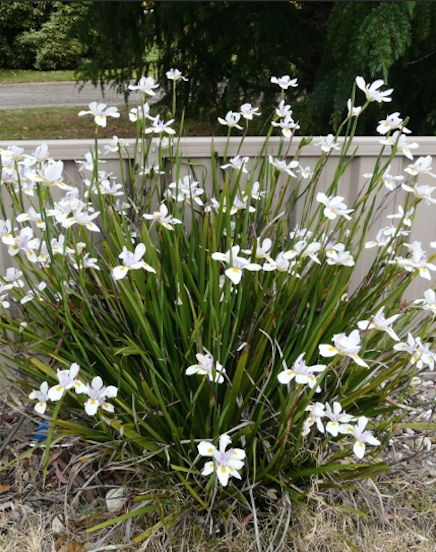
235	464
80	387
253	267
359	361
111	391
371	440
332	428
208	468
40	407
55	393
359	449
286	376
119	272
195	369
206	449
100	120
235	473
91	407
220	256
327	350
148	268
234	274
329	213
238	453
302	379
223	473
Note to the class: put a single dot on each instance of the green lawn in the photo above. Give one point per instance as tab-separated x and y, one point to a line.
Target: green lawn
11	76
63	123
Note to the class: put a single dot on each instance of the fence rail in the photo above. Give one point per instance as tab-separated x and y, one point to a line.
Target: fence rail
198	150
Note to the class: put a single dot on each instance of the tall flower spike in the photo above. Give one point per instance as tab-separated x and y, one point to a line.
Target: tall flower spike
338	418
207	366
362	437
131	261
231	120
381	323
100	112
98	394
345	346
146	85
67	379
237	163
372	91
41	396
225	463
334	206
428	302
237	264
175	75
303	374
285	82
162	217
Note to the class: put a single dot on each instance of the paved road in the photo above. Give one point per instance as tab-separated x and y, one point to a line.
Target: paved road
57	94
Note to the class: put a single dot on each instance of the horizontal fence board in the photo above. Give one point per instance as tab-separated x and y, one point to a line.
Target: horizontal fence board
201	146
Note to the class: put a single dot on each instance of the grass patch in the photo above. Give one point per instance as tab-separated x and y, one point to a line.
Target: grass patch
63	123
389	520
15	76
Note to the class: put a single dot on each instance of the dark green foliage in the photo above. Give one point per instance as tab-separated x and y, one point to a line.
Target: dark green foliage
118	36
389	40
239	45
54	44
17	18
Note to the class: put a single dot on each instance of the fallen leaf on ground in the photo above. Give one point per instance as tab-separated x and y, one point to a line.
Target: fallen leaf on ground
5	488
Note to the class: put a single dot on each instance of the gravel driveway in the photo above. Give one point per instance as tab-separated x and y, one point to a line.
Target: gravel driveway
57	94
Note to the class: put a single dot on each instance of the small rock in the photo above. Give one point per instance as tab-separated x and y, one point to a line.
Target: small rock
57	526
116	498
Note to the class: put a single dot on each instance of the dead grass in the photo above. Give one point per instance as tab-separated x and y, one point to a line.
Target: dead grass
394	514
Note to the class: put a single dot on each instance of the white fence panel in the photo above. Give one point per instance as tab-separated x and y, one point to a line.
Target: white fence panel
198	151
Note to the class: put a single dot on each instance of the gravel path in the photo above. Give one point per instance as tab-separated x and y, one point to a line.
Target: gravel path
57	94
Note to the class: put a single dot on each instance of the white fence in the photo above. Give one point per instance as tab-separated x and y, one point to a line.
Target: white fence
198	151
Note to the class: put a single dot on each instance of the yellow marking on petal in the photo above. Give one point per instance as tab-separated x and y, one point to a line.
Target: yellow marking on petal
223	469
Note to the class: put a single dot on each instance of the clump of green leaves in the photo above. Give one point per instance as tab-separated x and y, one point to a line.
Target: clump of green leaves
204	308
